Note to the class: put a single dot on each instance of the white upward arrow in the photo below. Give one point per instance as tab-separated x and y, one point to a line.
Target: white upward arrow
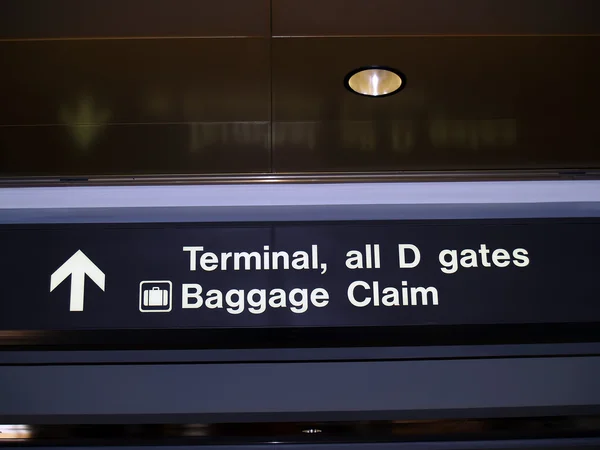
77	266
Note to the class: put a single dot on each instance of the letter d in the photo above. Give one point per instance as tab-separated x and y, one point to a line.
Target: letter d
416	258
186	295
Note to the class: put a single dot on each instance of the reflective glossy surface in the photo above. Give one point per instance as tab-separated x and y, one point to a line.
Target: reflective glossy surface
352	18
191	87
457	433
40	19
112	107
471	103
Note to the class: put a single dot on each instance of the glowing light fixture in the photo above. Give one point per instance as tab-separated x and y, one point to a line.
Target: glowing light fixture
375	81
15	432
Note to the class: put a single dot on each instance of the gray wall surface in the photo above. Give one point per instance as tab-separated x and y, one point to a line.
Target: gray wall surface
296	391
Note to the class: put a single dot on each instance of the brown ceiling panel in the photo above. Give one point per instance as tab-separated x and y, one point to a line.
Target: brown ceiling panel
469	103
35	19
438	17
121	150
134	81
134	107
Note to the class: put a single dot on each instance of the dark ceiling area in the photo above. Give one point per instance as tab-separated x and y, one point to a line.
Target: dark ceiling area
237	87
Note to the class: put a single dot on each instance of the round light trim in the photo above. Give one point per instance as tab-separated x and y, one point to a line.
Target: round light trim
375	81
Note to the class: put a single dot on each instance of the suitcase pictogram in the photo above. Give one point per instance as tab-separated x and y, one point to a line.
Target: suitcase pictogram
156	297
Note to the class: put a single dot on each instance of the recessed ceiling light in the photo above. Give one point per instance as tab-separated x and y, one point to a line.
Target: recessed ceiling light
375	81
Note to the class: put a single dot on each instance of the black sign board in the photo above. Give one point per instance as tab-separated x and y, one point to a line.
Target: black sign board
341	274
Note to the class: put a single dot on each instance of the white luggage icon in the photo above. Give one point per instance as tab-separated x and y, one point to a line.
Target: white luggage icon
156	297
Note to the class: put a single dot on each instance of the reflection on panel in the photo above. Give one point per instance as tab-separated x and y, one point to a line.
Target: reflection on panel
204	136
138	81
419	432
473	134
203	106
296	134
83	149
470	103
427	144
401	135
13	433
359	135
452	77
134	107
85	121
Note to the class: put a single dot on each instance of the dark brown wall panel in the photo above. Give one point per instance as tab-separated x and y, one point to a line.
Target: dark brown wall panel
192	148
134	81
469	103
405	17
117	18
134	107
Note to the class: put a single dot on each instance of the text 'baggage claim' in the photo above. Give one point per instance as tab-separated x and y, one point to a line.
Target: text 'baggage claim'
359	293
